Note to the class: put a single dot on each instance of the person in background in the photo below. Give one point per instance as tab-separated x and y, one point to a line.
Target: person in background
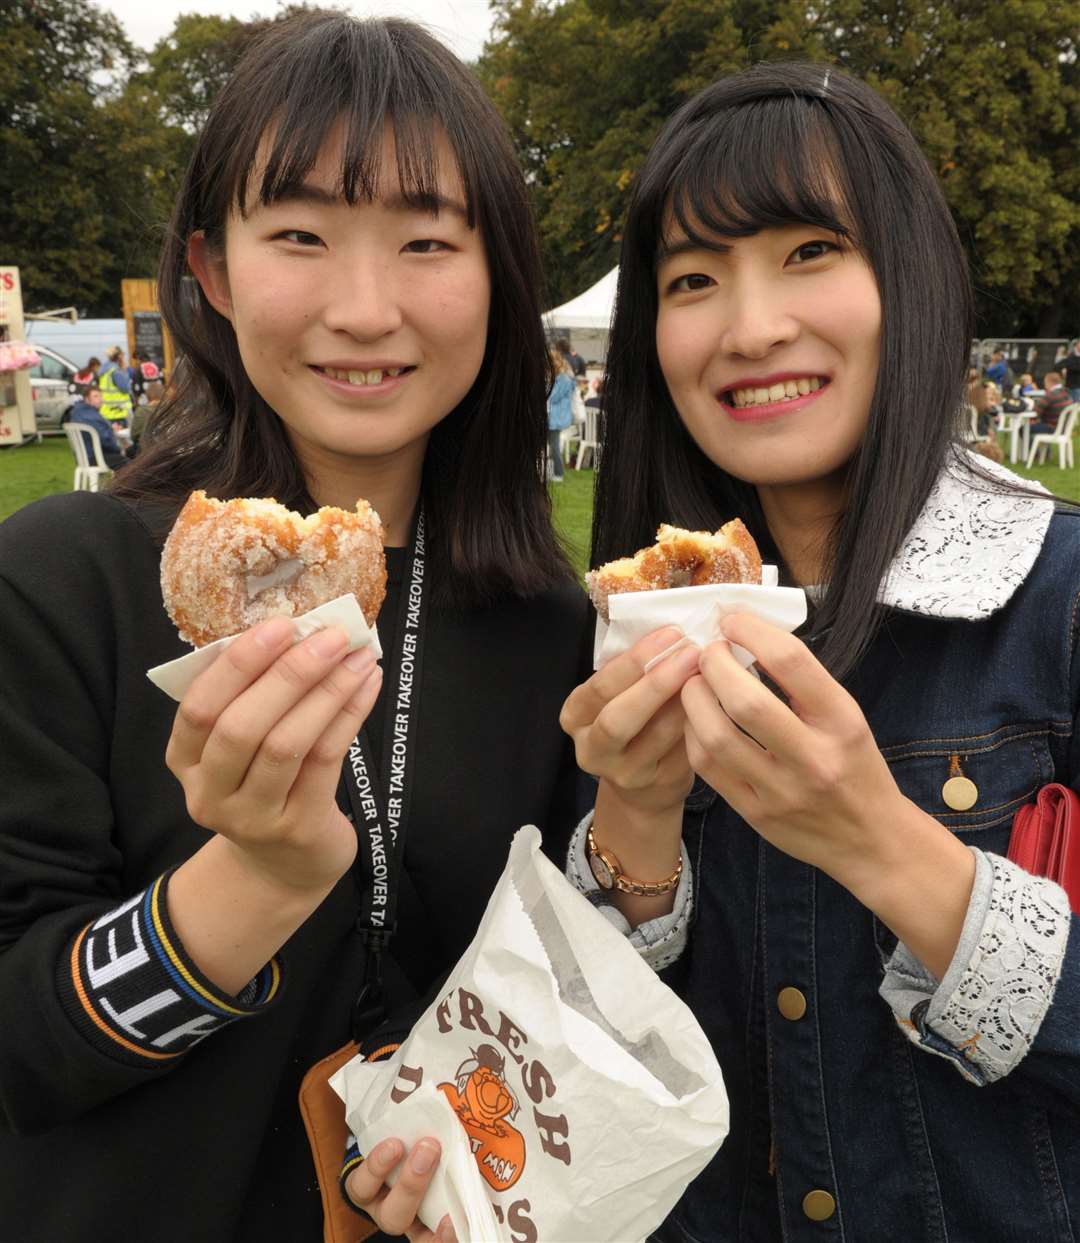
1026	385
998	370
560	407
574	360
115	383
1070	369
596	400
89	373
155	390
1049	408
87	411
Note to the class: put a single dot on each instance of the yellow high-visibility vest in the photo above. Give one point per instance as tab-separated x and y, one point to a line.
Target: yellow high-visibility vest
115	403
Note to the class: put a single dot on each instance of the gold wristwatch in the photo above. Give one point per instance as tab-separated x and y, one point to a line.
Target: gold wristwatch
607	869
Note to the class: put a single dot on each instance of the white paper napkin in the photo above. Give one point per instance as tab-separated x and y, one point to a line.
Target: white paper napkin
176	676
697	611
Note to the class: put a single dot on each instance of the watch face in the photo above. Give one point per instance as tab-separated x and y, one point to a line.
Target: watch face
604	877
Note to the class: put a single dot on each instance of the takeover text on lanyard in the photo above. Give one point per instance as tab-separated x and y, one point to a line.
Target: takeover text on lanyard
379	796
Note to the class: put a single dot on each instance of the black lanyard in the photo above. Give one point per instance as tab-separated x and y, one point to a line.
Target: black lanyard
379	796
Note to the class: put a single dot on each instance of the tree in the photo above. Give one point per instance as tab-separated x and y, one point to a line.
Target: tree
991	91
61	64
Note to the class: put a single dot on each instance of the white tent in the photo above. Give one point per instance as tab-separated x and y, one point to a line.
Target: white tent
586	318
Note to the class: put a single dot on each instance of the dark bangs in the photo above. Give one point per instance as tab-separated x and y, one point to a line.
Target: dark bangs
772	169
487	505
367	80
776	145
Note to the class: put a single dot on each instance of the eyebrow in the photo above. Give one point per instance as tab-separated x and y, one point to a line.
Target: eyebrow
434	204
686	245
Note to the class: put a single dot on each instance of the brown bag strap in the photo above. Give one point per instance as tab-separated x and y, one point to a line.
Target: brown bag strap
324	1120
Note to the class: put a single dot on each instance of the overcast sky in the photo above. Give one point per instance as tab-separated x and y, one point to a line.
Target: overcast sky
463	24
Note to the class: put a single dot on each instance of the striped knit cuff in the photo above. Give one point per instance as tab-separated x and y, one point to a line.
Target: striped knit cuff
353	1155
128	986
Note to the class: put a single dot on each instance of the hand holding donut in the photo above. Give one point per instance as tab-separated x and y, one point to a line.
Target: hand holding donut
628	725
258	743
394	1209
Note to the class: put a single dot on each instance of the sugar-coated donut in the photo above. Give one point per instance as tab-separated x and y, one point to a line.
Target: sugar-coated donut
229	564
679	559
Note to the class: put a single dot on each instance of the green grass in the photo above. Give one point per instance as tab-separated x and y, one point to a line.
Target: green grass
40	469
34	470
571	503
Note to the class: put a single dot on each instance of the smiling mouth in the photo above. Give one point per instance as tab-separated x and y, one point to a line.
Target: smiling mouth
785	390
363	379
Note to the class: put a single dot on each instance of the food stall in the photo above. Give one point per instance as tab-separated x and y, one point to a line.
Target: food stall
17	423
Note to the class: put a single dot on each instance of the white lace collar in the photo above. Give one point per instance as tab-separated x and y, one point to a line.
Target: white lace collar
970	548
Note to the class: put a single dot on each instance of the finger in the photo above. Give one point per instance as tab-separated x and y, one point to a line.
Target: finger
627	716
300	737
716	748
319	775
366	1185
246	722
586	702
235	669
638	764
726	779
398	1211
751	704
814	694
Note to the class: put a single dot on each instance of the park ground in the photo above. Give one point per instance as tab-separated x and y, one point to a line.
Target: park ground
37	470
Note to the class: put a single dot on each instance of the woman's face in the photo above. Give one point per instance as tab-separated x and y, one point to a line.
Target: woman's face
362	326
769	346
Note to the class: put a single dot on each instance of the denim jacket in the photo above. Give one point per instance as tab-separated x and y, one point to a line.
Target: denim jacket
869	1101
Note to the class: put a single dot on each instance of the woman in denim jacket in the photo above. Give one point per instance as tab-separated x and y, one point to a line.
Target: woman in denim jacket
895	1005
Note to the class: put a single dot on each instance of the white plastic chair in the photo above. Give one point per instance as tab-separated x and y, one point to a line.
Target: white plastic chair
1062	437
588	438
90	465
969	428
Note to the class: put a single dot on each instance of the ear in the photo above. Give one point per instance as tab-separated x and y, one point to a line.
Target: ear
210	271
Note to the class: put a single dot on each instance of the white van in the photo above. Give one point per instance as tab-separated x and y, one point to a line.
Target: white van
52	384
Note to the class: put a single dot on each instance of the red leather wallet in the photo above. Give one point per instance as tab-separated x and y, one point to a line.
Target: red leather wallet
1045	839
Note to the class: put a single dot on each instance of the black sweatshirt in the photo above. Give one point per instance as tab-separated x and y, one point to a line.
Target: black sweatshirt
189	1130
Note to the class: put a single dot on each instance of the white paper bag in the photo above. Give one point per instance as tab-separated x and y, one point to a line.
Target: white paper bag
697	611
574	1095
175	676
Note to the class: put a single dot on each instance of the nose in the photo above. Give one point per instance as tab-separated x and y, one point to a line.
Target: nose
362	299
757	318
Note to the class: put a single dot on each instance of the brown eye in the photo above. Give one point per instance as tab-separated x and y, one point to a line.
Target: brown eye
690	283
809	251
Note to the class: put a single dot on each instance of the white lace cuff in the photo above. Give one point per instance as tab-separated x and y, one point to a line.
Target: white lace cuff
659	941
987	1010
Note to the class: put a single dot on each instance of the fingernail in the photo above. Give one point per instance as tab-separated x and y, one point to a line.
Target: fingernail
387	1154
424	1157
363	658
330	641
273	632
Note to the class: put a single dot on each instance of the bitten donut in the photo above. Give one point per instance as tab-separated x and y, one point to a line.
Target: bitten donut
229	564
679	559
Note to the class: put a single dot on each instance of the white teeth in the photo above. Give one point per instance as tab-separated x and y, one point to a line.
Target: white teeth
777	392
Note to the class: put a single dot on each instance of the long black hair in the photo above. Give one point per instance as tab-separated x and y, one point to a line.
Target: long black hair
774	145
487	507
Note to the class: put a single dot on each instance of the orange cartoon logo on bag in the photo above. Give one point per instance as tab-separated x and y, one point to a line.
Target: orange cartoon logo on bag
483	1104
